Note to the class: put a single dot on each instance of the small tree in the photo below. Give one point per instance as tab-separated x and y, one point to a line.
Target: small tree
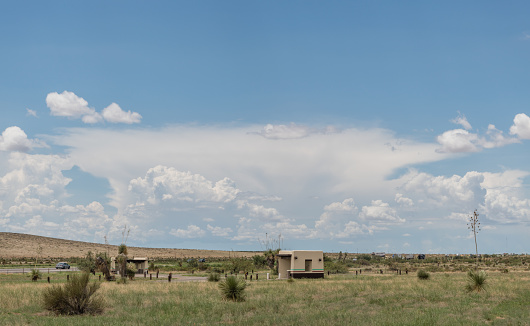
474	225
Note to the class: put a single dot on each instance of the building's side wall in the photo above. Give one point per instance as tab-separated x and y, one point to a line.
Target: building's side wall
284	264
300	256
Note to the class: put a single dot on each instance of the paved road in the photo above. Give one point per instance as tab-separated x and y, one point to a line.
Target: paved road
42	270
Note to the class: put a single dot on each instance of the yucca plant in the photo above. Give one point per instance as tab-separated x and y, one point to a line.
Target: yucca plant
233	289
35	275
476	281
423	275
74	298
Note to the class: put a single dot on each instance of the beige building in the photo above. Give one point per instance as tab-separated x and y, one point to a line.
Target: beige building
300	264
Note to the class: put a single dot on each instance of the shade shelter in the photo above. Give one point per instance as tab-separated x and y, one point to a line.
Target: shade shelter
300	264
141	264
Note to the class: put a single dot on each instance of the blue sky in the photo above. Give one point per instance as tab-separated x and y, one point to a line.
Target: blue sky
352	126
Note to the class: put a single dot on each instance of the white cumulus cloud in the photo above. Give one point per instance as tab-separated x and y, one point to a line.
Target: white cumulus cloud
113	113
521	126
347	205
219	231
463	141
381	213
457	141
14	139
168	183
403	201
193	231
68	104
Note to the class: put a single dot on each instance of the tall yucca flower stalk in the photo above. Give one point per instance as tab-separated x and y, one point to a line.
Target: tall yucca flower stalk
474	225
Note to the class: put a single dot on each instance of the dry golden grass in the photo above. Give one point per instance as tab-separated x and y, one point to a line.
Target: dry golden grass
18	245
336	300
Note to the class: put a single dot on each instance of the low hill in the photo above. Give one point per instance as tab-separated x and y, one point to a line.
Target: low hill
18	245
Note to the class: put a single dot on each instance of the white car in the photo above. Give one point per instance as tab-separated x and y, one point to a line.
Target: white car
62	266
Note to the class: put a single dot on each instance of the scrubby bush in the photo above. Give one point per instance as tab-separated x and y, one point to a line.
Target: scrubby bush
152	267
423	275
233	289
259	261
214	277
365	257
202	266
131	270
336	267
476	281
238	264
76	297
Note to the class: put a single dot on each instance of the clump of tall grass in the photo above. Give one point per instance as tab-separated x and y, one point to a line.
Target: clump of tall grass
74	298
476	281
214	277
423	275
233	289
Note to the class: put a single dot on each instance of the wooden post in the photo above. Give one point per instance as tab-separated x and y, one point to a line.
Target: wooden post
256	276
150	277
251	277
48	279
156	274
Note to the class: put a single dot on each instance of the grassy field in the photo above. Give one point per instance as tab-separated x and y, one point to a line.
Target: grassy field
337	300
